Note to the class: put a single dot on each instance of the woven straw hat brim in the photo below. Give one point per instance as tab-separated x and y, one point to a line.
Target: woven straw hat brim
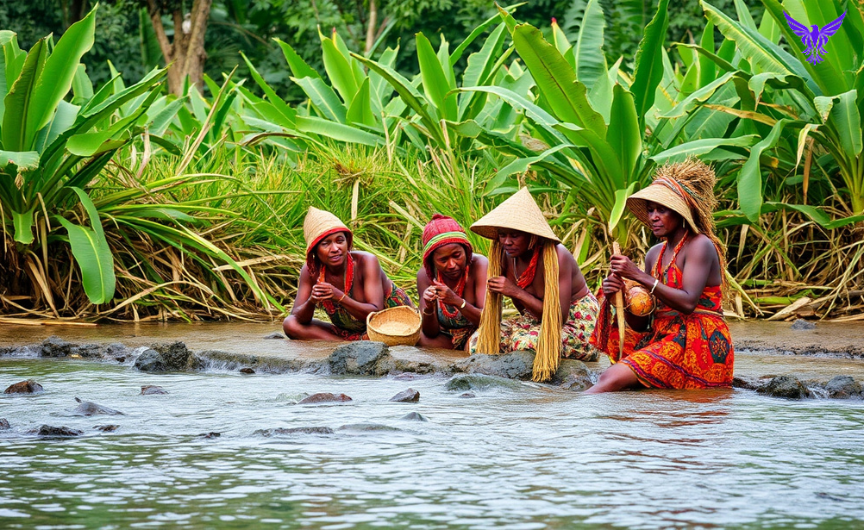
318	223
637	203
519	212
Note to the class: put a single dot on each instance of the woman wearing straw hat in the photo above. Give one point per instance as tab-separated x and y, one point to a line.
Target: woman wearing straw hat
453	285
686	342
345	283
528	264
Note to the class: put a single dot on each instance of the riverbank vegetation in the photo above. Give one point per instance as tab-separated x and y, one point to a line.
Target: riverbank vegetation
124	200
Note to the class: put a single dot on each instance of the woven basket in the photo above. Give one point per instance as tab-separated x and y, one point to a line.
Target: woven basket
396	326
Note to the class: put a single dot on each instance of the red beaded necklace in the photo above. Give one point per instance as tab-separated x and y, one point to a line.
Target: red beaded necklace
527	278
460	288
349	280
660	275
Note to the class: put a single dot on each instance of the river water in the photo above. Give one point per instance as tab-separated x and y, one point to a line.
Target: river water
529	457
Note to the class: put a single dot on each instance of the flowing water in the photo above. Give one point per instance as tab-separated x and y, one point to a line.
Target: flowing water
529	457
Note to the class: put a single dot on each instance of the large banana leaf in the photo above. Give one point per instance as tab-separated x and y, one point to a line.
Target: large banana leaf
649	62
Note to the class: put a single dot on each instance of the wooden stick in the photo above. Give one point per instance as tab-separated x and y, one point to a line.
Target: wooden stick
619	307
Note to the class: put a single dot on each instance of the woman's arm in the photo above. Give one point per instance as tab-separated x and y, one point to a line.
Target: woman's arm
372	280
428	301
304	305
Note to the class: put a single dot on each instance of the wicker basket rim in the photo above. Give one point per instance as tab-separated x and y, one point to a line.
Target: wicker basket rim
394	311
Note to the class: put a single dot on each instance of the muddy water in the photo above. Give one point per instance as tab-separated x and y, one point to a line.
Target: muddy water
530	457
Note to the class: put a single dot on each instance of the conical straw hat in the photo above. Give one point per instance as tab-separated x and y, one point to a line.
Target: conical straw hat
519	212
320	224
661	194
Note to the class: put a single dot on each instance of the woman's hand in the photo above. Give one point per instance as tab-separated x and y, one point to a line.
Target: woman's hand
612	284
446	294
325	291
430	296
624	268
503	285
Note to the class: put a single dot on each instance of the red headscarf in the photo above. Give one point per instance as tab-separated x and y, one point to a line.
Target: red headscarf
442	230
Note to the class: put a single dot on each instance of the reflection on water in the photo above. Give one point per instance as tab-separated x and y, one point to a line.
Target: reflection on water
532	458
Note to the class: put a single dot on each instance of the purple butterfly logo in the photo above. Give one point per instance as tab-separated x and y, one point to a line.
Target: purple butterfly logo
814	38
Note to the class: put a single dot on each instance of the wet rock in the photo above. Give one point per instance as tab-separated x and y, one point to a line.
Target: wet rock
54	346
246	371
25	387
106	428
413	416
48	430
116	350
87	351
150	361
120	359
361	358
468	395
464	382
803	325
177	357
275	336
405	377
843	387
368	427
324	397
88	408
513	365
294	430
740	382
785	386
572	375
4	424
152	390
407	396
210	435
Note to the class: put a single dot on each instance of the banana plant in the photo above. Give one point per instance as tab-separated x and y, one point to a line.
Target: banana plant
51	148
792	104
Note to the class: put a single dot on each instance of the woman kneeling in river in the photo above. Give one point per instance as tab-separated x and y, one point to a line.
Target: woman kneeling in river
346	283
453	285
687	343
528	264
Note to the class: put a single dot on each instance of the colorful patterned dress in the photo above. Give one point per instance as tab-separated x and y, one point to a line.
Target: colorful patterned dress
680	350
523	332
348	327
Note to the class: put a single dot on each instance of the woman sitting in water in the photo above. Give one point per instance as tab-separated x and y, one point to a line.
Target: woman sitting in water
528	264
453	285
346	283
687	343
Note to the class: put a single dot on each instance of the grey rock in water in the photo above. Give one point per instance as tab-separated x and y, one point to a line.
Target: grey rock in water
407	396
88	351
843	387
294	430
468	395
88	408
740	382
54	346
572	375
360	358
25	387
106	428
4	424
785	386
803	325
413	416
152	390
324	397
117	351
513	365
151	361
368	427
465	382
275	336
48	430
246	371
177	357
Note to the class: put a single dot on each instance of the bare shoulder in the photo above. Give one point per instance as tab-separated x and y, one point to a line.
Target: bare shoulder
304	273
479	260
701	244
652	254
366	258
564	255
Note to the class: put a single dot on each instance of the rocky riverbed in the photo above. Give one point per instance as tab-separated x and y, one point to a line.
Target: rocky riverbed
373	359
